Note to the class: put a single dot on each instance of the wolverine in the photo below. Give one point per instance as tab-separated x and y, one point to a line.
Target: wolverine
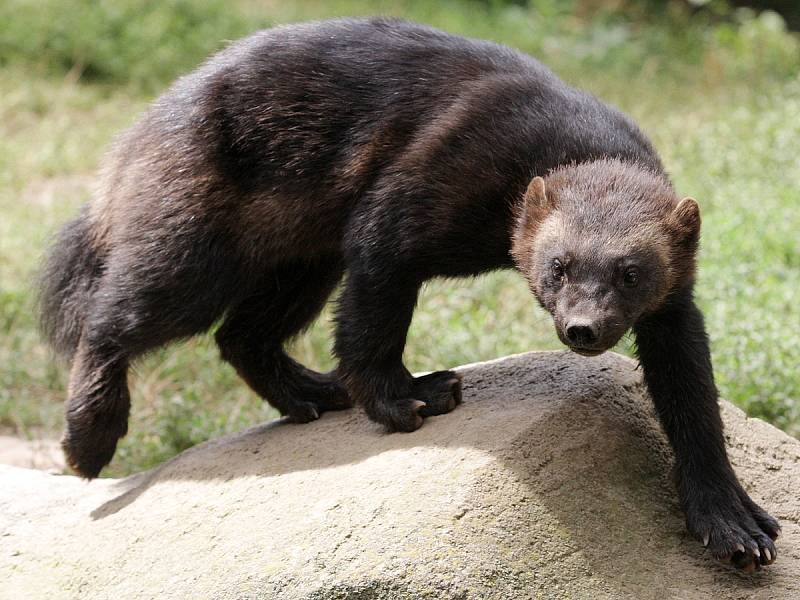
385	153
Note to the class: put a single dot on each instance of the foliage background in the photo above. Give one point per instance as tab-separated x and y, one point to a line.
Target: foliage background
716	87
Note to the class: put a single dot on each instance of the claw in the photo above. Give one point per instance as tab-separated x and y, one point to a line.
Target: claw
705	539
740	547
768	554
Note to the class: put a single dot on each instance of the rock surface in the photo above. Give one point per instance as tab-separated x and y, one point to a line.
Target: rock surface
550	481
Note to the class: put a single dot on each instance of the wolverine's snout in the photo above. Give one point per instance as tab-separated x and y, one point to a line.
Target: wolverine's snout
582	332
588	335
584	336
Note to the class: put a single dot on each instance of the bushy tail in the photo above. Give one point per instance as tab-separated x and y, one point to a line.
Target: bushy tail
65	285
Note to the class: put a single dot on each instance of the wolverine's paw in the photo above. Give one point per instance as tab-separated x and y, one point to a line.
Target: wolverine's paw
763	519
328	393
404	414
318	393
440	391
302	412
732	531
88	450
433	394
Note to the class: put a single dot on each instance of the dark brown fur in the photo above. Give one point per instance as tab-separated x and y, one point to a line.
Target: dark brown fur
386	153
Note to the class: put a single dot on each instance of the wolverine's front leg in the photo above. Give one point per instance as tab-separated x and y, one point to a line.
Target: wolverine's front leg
373	317
673	348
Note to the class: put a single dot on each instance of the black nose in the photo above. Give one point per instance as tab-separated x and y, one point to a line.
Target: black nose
582	333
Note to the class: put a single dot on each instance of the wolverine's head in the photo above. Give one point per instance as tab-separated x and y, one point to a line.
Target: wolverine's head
602	244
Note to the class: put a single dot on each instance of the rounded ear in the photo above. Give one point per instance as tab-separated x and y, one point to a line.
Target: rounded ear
686	219
535	196
528	215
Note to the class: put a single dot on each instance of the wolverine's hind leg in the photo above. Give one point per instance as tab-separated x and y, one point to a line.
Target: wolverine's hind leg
97	407
135	308
251	339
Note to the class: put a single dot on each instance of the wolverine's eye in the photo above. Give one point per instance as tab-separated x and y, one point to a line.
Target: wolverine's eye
557	269
631	277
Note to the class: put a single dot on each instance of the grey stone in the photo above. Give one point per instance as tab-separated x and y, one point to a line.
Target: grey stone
552	480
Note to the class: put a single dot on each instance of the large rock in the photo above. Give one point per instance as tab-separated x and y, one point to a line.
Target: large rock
550	481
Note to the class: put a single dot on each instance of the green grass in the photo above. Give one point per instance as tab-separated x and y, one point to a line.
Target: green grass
720	98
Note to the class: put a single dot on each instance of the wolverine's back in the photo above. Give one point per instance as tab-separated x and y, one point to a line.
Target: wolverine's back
294	125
